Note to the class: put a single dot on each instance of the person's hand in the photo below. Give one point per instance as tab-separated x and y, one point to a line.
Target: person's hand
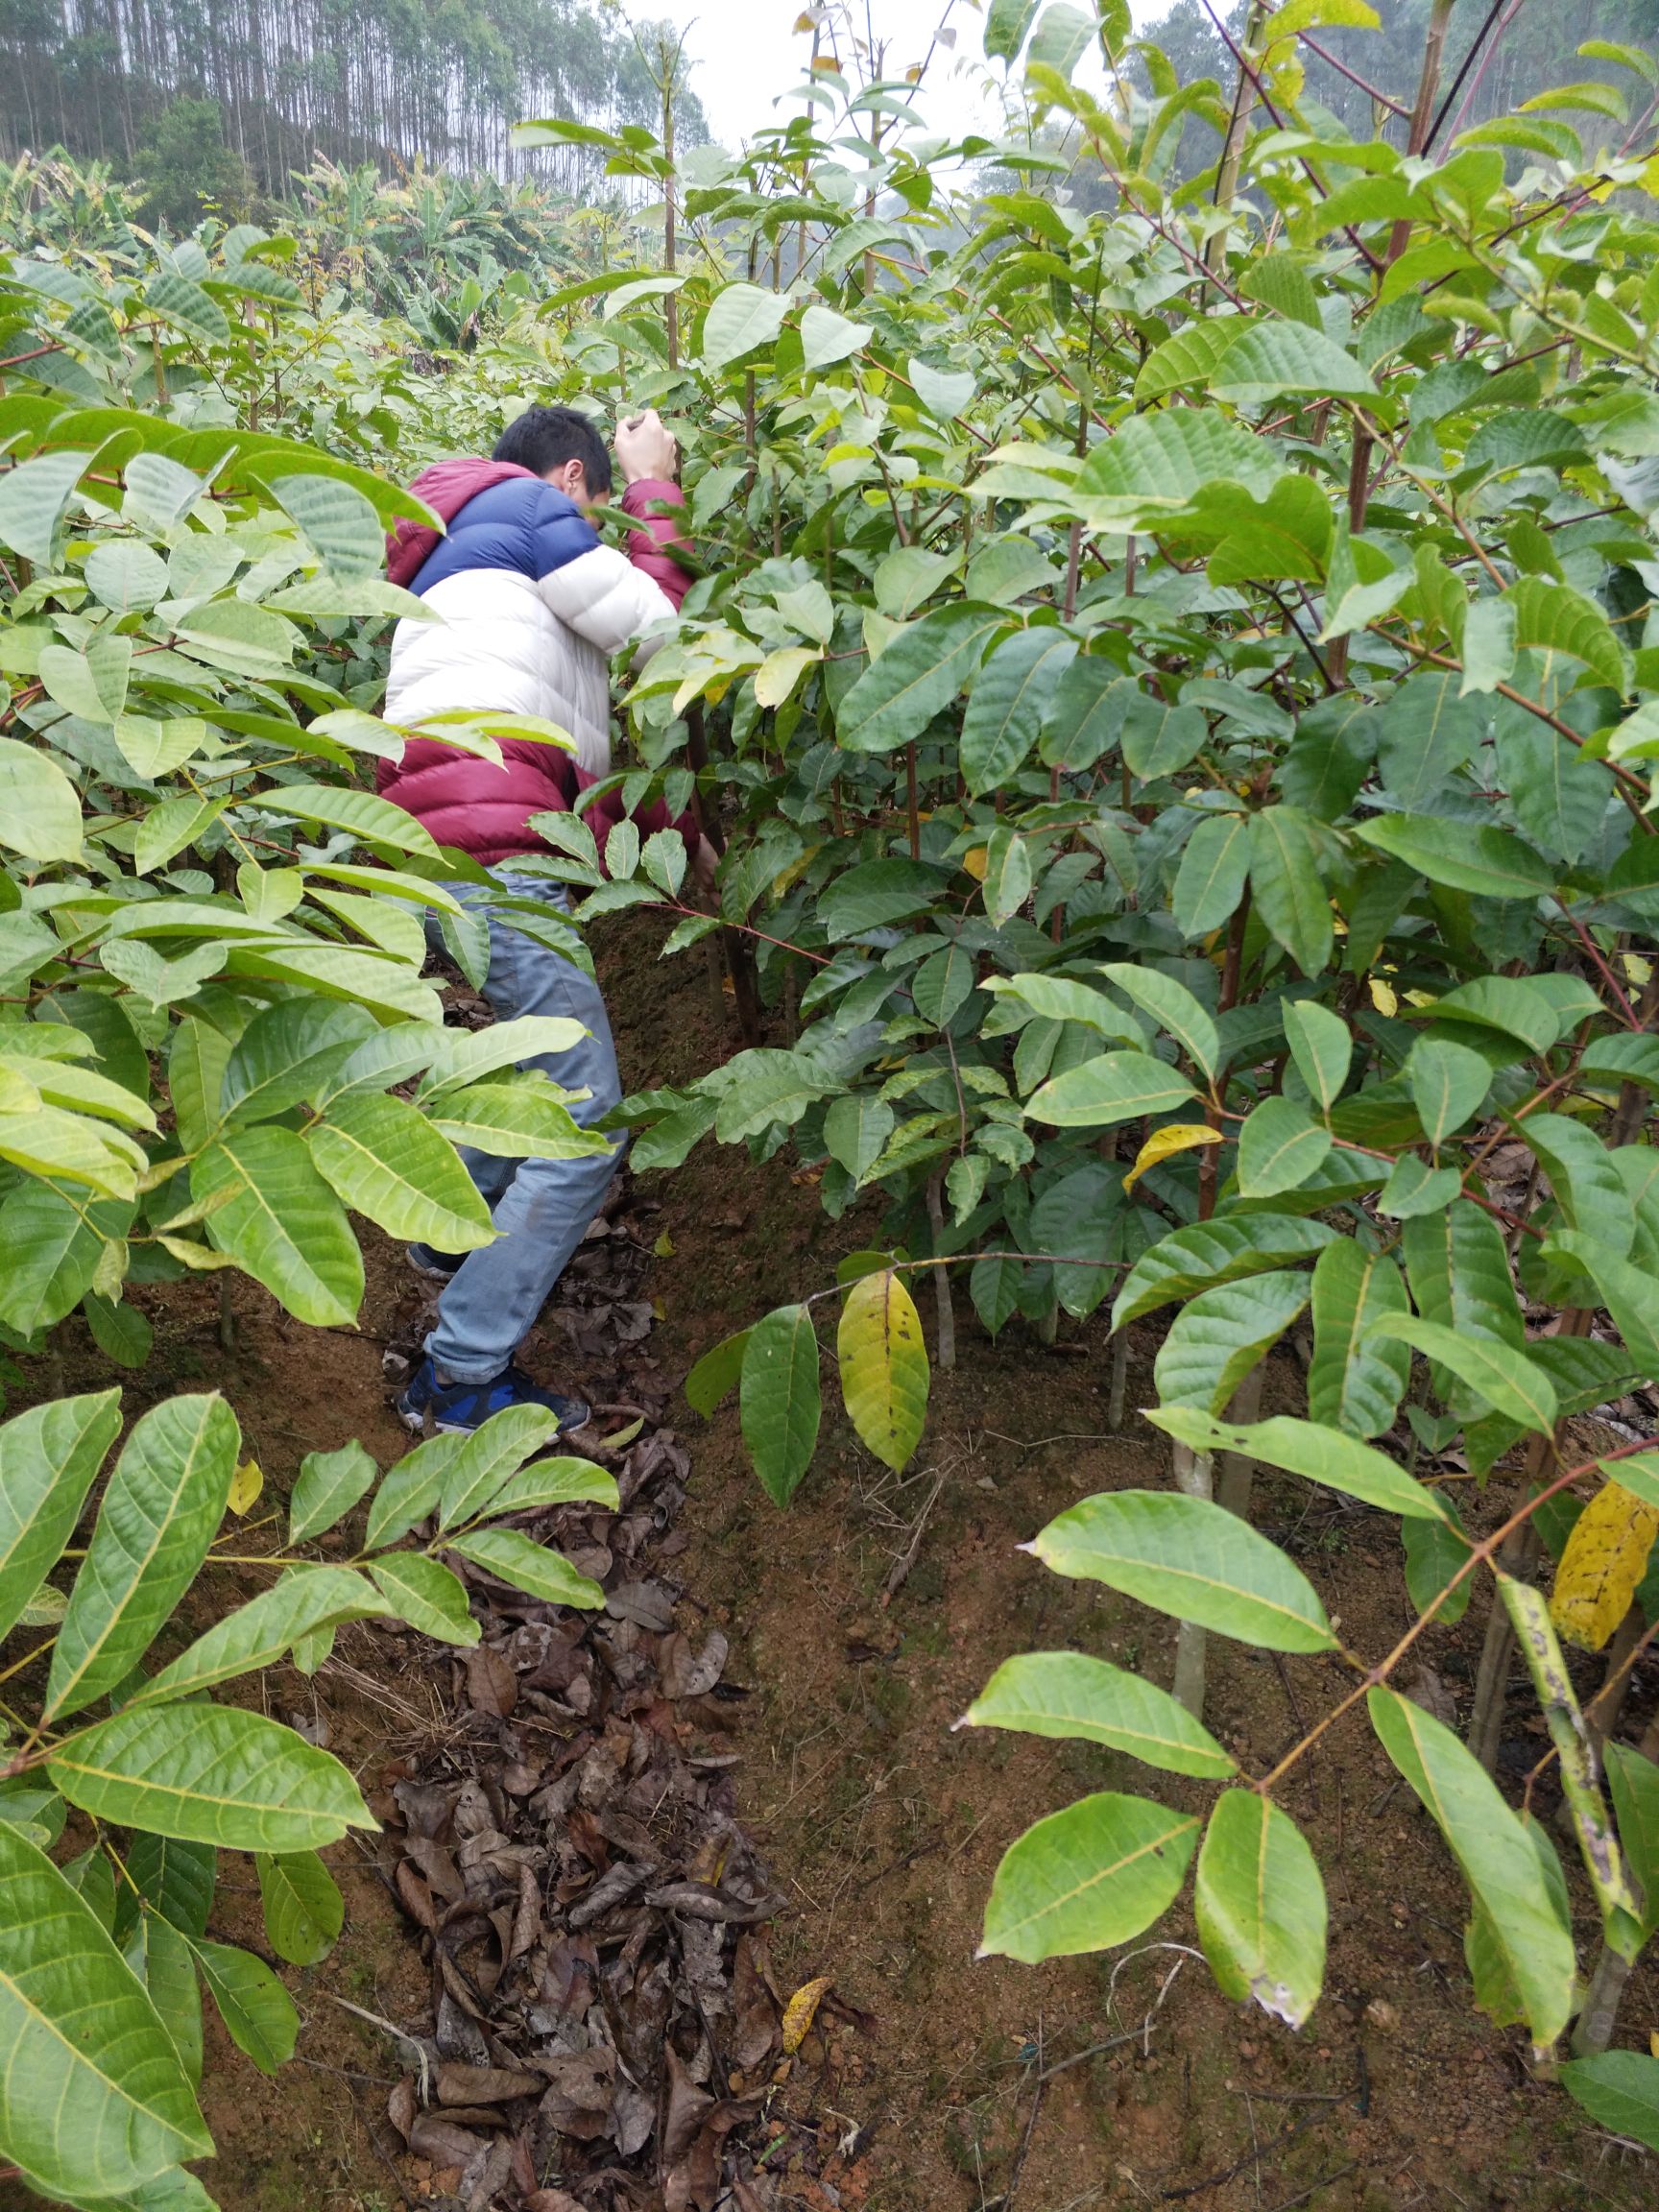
644	449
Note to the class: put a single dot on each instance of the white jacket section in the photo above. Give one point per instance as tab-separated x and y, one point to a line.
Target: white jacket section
515	646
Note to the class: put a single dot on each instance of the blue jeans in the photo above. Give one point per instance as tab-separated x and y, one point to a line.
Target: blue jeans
541	1208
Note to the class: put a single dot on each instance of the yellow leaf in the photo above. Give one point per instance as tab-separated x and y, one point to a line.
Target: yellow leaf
663	1246
801	2010
779	672
1605	1559
885	1372
1174	1137
1383	997
245	1486
975	862
1653	2041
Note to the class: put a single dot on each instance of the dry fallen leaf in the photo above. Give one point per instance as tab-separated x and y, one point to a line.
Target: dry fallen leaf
801	2011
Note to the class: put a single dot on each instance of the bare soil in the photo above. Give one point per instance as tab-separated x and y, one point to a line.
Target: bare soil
862	1623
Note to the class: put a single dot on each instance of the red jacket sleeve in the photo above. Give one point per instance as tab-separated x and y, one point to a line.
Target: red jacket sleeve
651	548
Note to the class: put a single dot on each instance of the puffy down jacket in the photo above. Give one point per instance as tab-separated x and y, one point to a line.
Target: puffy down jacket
532	607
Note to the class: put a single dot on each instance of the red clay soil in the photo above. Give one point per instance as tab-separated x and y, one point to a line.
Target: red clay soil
862	1623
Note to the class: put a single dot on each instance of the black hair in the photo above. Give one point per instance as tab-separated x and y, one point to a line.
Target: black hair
543	439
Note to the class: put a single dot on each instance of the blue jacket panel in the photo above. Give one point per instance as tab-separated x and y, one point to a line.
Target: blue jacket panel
528	527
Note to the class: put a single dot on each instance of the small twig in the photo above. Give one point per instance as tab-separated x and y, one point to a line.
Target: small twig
391	2027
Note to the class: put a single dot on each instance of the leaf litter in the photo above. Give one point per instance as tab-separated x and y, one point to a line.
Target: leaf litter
605	2034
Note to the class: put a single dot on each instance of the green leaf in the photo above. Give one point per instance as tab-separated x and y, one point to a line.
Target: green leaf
1449	1083
1356	1380
120	1331
856	1131
1011	696
1619	2089
160	1512
1058	998
1498	1863
409	1491
1155	463
174	1879
884	1370
1007	874
740	318
1260	1905
1205	1254
1415	1188
1308	1448
1459	1272
49	1457
1504	1378
1172	1006
1071	1696
565	1481
427	1595
81	2036
495	1451
1492	863
1279	1147
209	1774
285	1054
530	1567
1062	36
161	1957
385	1159
1115	1087
827	337
1555	618
1086	714
945	391
1434	1551
1269	358
304	1911
1634	1782
1215	868
259	2016
375	821
329	1484
781	1403
1286	883
255	1635
1186	358
39	807
1086	1879
1194	1560
513	1121
1584	1178
918	674
280	1222
717	1371
337	521
1219	1335
1158	738
32	498
1630	1294
1424	734
1006	23
876	893
1321	1047
1280	282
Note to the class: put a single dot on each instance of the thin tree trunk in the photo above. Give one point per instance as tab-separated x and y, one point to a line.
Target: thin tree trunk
1194	1477
941	1274
1119	1387
1237	1469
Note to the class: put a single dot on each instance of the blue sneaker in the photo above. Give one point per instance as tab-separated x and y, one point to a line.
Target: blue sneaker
437	1266
457	1408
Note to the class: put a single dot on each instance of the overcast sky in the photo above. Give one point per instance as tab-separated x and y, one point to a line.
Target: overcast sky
747	53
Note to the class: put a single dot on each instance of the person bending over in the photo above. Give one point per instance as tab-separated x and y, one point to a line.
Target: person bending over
533	608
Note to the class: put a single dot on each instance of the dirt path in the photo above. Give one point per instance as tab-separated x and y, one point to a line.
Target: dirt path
857	1628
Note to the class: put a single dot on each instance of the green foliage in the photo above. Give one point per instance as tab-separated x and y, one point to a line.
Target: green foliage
170	1777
